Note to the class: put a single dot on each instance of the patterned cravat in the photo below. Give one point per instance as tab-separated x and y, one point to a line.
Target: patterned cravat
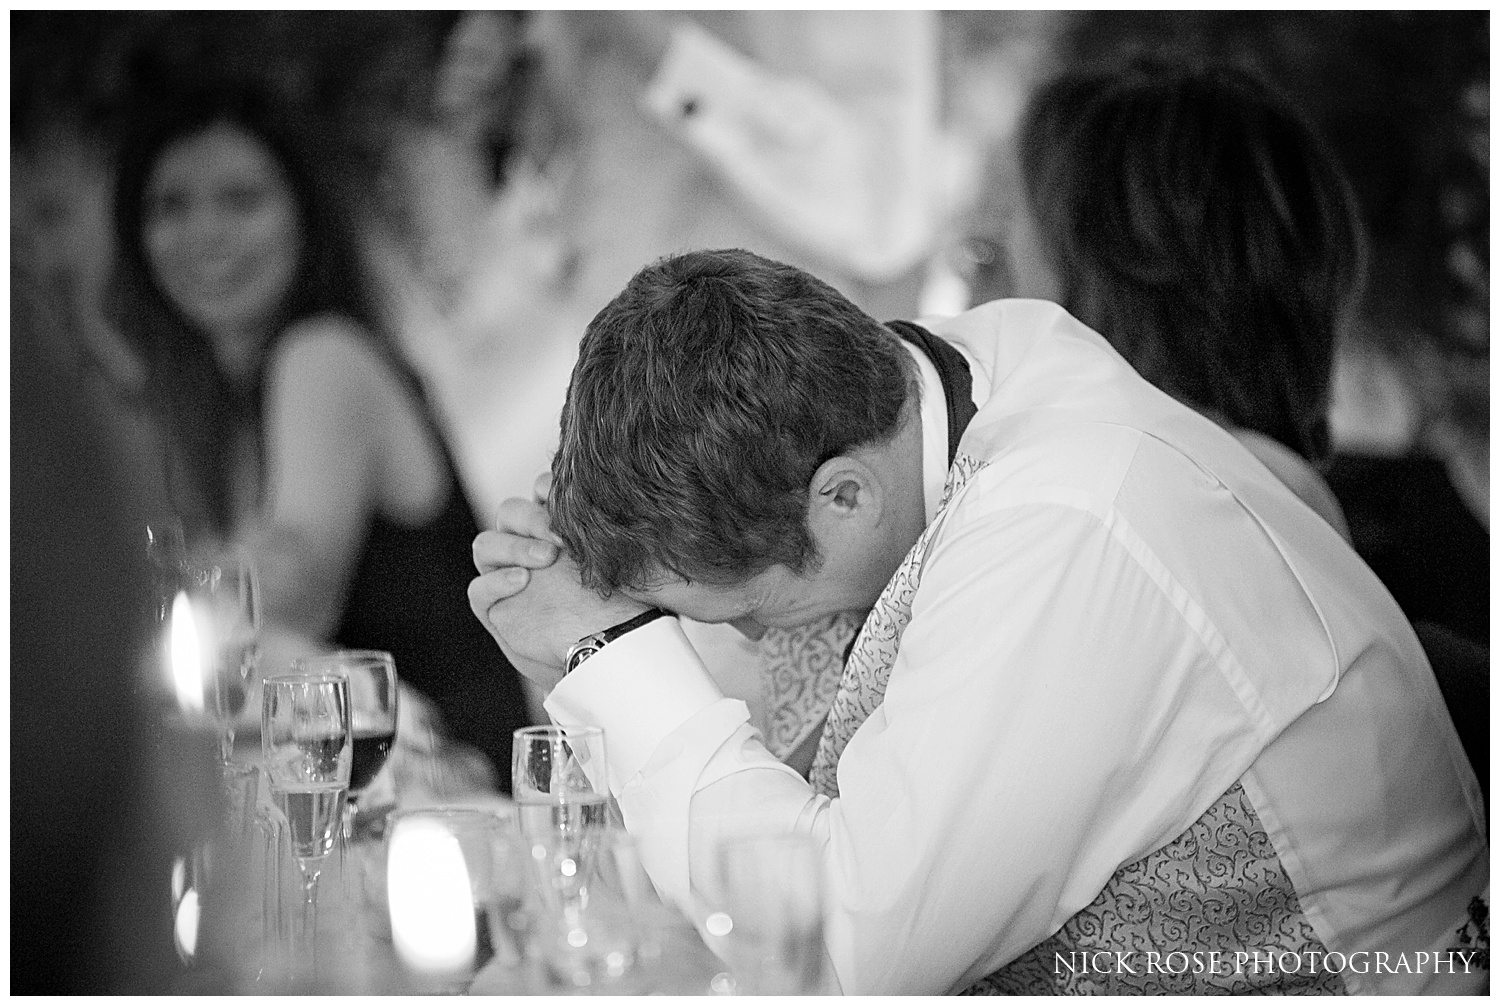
802	670
862	687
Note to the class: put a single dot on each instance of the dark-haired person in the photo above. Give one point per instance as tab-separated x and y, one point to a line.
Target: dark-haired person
293	426
96	916
1120	694
1194	219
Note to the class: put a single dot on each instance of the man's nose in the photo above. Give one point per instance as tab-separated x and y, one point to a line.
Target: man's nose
749	628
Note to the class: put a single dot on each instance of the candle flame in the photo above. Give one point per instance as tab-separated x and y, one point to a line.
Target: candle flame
185	912
186	655
185	925
432	910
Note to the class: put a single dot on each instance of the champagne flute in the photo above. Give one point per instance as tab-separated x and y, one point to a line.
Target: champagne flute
767	914
308	753
372	697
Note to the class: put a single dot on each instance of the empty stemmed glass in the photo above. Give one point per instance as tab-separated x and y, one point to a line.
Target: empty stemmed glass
227	585
309	752
766	915
209	608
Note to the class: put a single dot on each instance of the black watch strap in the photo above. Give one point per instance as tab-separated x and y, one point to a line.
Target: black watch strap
596	641
614	632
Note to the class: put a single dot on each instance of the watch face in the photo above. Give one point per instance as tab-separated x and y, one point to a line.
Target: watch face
582	651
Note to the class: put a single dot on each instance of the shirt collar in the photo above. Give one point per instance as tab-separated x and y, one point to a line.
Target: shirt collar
934	432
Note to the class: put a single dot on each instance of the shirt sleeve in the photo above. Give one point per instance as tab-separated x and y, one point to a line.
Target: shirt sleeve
1032	739
835	158
665	721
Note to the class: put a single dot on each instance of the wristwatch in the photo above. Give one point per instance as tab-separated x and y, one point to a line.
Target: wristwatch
594	642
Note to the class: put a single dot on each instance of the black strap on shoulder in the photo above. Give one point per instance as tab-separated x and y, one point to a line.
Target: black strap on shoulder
953	369
958	391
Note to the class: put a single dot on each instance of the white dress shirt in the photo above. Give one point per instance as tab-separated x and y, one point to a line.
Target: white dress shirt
829	138
1122	616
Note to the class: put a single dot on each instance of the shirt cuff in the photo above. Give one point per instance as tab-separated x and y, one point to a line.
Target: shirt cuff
639	689
697	73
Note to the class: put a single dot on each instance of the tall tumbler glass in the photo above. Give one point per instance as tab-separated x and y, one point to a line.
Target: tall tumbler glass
558	781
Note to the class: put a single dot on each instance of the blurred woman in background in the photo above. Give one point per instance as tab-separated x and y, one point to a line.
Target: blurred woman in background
1196	221
293	426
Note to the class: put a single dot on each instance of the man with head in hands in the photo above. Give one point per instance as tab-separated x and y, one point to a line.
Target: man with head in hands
1125	715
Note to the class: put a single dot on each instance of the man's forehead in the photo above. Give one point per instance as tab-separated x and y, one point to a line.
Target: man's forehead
702	600
670	585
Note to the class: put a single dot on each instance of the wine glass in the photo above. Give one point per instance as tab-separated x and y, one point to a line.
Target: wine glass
766	915
270	831
225	588
241	790
308	755
209	609
166	551
372	697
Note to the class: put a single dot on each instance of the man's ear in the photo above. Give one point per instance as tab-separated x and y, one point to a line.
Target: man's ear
844	496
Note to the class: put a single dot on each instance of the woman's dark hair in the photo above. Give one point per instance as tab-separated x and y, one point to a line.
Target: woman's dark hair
1198	222
200	407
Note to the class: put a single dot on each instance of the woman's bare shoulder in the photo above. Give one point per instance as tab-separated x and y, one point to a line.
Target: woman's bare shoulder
333	349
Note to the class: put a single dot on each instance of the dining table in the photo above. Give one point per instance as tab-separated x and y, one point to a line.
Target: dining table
354	951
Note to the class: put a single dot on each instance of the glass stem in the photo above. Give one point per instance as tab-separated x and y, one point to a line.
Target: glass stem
346	848
226	743
271	909
311	870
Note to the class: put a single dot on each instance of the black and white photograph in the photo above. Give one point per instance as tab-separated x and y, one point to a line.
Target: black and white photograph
749	502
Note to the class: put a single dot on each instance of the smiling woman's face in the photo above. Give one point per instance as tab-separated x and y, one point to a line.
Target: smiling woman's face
222	235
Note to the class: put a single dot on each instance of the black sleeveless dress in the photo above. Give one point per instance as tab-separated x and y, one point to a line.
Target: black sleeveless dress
409	596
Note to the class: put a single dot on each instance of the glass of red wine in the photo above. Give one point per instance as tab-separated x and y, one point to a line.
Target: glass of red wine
372	697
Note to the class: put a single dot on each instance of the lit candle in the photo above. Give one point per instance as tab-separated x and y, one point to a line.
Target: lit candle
185	914
185	776
185	654
432	910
